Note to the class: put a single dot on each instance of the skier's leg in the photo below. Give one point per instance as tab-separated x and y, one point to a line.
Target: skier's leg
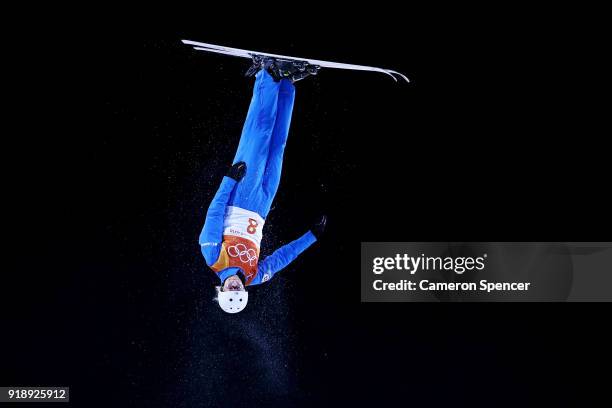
272	173
255	141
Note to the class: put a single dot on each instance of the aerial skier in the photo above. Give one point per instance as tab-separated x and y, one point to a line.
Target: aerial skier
232	233
231	236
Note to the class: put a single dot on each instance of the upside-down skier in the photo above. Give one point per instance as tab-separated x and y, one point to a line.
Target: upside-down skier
232	233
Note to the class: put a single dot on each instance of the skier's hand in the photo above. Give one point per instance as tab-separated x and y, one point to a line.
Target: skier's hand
237	171
319	227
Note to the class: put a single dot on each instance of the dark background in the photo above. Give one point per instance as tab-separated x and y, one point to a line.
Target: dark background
121	137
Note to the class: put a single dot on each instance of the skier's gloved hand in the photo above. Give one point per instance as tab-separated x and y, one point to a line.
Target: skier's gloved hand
319	227
237	171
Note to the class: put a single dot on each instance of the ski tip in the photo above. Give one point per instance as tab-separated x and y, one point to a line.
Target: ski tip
404	77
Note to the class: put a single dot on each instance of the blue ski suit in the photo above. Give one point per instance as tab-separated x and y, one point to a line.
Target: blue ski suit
231	236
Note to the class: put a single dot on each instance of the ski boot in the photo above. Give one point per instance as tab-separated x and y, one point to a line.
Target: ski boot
257	64
281	68
292	69
302	69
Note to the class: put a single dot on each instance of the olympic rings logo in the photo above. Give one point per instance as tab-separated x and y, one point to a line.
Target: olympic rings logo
246	255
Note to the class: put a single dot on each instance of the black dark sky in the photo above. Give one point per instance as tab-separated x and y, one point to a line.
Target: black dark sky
120	142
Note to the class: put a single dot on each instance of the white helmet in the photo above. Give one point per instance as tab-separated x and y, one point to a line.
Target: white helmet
232	301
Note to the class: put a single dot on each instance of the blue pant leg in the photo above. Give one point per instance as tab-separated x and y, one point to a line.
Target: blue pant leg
272	172
254	143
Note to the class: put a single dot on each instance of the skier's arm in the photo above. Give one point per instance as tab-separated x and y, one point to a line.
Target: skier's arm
212	233
283	257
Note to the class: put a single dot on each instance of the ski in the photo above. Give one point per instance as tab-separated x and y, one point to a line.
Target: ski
237	52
